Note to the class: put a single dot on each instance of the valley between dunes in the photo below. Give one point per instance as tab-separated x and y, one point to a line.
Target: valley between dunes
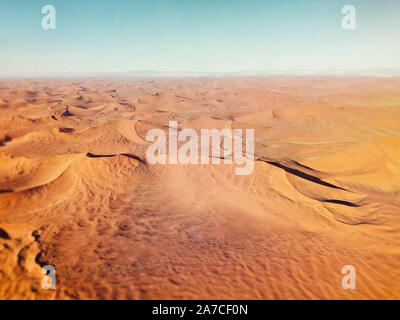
76	191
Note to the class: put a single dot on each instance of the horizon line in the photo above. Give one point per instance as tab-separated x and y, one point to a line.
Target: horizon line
370	72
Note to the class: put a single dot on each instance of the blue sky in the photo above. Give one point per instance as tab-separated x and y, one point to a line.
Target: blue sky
202	35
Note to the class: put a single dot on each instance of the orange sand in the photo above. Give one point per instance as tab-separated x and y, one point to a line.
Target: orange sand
325	191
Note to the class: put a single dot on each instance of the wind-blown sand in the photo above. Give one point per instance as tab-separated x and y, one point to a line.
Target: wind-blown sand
77	192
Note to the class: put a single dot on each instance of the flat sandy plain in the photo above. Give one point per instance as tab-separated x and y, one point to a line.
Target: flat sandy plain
77	192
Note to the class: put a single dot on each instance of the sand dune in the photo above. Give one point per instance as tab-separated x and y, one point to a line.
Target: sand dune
77	192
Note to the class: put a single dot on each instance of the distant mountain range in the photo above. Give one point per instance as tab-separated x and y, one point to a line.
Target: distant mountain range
381	72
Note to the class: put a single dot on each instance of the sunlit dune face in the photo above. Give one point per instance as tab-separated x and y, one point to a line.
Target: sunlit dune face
77	193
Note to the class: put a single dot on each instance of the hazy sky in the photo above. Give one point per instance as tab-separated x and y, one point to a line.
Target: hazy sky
202	35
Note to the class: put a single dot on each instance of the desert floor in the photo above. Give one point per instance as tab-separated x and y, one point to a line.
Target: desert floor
77	192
